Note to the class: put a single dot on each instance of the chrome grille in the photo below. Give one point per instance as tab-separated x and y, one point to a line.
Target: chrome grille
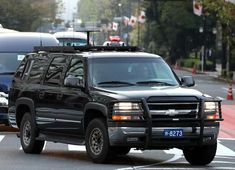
174	110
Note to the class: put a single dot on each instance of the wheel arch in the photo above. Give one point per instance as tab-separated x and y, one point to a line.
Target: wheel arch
23	105
92	111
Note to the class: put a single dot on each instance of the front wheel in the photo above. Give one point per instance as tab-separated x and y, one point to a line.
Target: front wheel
200	155
97	141
28	134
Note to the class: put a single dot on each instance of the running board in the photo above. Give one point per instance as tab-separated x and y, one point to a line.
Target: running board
76	140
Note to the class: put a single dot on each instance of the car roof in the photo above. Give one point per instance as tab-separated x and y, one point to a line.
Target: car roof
70	35
110	54
25	41
96	51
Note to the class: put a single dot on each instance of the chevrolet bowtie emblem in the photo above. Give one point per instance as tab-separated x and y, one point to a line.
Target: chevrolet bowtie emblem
171	112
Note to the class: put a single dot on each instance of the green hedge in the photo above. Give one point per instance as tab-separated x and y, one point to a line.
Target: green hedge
189	63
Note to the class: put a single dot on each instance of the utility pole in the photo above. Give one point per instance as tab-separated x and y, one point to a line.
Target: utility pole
138	36
227	51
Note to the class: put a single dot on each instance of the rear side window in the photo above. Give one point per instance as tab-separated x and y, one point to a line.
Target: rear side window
55	71
36	68
76	69
21	68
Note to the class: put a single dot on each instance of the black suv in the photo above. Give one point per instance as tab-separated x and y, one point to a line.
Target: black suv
111	99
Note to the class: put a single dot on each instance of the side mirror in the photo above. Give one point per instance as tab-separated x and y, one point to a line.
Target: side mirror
187	81
72	81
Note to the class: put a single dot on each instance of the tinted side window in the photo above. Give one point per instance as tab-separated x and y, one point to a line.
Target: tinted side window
21	68
36	68
55	70
76	69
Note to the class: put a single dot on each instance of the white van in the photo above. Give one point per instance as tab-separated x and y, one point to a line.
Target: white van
13	48
71	38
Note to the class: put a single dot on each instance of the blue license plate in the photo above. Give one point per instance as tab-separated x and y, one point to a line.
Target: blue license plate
173	132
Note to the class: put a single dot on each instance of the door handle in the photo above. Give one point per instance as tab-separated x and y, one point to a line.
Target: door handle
41	95
59	96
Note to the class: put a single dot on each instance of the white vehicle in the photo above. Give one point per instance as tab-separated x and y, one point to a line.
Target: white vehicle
114	41
71	38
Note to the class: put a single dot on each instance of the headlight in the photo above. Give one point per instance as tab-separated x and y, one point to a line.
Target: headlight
211	110
127	111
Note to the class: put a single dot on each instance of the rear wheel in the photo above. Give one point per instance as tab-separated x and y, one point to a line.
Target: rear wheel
200	155
28	134
97	141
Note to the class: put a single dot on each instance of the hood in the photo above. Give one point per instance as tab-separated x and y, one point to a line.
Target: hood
138	92
5	82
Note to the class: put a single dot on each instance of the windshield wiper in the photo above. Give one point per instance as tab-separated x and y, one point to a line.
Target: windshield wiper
150	82
116	82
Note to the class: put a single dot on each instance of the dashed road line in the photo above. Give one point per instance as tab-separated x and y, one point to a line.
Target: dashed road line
1	137
223	150
76	148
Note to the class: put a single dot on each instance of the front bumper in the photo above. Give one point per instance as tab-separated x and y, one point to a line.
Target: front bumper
138	137
149	133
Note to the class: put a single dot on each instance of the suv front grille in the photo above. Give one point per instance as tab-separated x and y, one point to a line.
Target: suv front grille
172	109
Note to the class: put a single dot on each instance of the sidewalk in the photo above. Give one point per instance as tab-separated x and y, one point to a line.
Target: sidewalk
215	74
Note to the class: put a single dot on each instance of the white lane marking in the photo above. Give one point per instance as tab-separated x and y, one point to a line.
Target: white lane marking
220	98
1	137
177	155
76	148
223	150
83	148
176	152
217	168
135	151
226	139
44	147
227	89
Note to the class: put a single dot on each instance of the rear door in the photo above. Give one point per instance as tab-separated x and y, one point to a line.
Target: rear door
49	94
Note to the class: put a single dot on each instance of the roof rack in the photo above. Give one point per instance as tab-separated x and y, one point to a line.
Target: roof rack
74	49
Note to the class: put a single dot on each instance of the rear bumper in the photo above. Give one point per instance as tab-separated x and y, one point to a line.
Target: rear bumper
138	137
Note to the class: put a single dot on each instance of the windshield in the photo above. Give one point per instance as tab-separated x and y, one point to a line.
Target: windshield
10	61
124	71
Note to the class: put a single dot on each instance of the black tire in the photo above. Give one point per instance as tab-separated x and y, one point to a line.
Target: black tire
122	150
28	133
200	155
97	142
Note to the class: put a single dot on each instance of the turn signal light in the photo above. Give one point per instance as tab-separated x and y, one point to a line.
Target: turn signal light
121	117
211	117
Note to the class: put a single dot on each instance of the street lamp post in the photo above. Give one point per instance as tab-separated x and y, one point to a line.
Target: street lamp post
203	56
201	30
120	9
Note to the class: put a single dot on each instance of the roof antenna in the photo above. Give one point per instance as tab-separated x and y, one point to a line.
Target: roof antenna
41	40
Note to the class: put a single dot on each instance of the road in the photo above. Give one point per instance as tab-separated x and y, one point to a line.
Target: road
62	156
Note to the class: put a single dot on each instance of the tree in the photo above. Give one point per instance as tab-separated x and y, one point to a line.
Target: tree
225	14
26	15
173	27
